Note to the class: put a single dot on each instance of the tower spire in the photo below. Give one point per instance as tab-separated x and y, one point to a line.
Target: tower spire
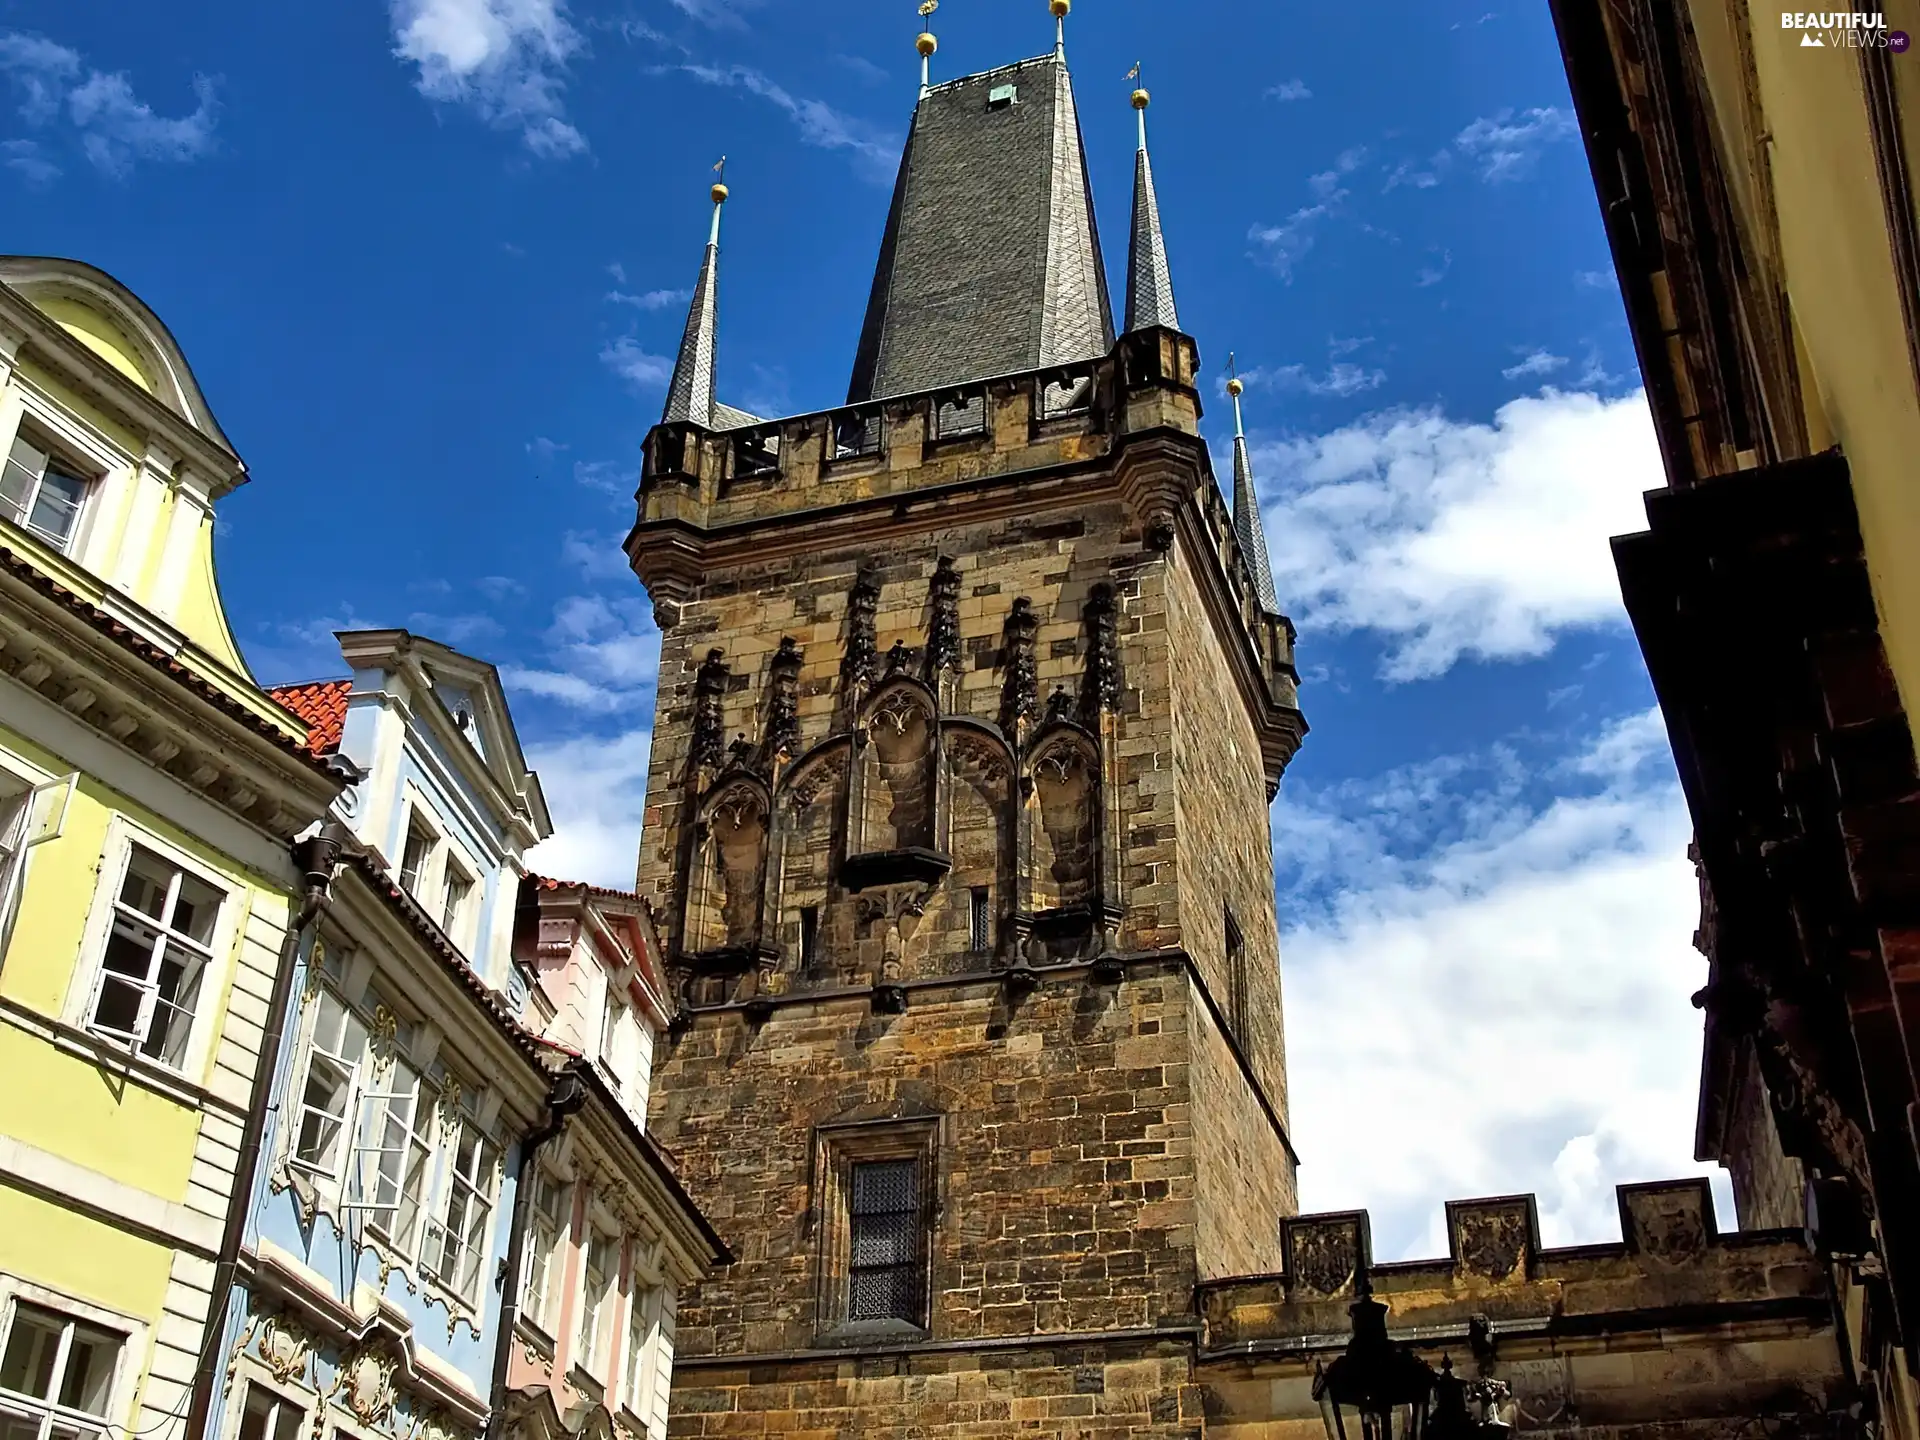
1246	503
1149	285
1061	9
690	393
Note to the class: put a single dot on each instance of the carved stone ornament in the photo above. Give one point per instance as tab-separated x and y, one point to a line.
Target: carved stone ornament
368	1391
977	758
1101	685
1059	707
381	1038
709	720
943	632
863	608
821	777
1020	693
1322	1258
283	1349
450	1106
1491	1243
897	712
783	702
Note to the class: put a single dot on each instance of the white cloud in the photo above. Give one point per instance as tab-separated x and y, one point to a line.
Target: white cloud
596	787
1525	1024
875	151
1539	362
1289	90
635	365
651	300
113	126
1453	539
1506	147
1431	275
506	59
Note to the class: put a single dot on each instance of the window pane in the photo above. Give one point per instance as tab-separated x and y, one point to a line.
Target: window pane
117	1011
885	1239
16	488
195	911
130	949
32	1346
259	1411
14	1427
57	505
179	992
145	888
892	1294
286	1424
887	1185
89	1374
323	1110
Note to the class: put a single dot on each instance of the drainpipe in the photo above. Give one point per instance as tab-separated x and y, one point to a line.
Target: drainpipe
315	859
568	1094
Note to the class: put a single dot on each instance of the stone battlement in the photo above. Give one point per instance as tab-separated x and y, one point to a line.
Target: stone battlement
1676	1322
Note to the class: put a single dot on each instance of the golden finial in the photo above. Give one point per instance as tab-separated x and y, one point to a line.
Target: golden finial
720	191
926	44
1140	97
1060	8
1236	387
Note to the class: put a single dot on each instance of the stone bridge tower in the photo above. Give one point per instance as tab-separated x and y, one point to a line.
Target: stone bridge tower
973	696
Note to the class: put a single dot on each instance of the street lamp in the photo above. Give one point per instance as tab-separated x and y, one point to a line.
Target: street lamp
1377	1390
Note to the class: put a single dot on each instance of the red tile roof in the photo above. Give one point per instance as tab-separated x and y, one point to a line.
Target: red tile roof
322	705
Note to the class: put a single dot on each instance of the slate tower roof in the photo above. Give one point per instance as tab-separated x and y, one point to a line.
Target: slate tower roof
690	391
1149	285
991	260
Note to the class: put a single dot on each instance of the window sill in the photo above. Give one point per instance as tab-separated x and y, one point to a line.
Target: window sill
148	1074
587	1383
861	1332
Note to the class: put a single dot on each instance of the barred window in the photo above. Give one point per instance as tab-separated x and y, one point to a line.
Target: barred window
886	1262
980	917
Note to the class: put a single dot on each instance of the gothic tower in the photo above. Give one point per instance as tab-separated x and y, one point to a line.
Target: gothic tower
973	696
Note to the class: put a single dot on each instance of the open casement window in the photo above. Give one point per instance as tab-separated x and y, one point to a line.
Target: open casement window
641	1381
266	1416
335	1052
56	1376
596	1292
417	857
42	493
453	908
547	1222
878	1201
394	1154
157	956
456	1247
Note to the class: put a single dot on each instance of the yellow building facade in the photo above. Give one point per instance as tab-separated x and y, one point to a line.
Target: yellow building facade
149	796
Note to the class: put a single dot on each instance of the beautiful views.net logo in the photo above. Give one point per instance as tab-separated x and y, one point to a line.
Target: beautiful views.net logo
1843	29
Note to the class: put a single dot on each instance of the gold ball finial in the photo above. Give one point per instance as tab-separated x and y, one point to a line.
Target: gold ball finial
1141	99
720	193
1236	387
1060	8
926	45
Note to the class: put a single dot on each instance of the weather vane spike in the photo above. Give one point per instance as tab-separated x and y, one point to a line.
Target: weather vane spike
1061	9
1235	387
926	44
720	193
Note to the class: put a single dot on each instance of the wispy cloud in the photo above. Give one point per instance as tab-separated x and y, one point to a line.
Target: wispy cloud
1536	362
1341	378
875	151
504	59
635	365
1289	90
859	65
651	299
1419	174
1594	279
1283	246
1432	274
1506	146
1452	540
114	128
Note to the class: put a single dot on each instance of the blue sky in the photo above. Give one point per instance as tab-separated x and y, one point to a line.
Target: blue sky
429	258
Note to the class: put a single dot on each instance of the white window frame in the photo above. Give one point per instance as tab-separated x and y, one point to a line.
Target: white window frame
645	1307
53	456
253	1382
120	1391
34	816
454	917
350	1185
479	1185
590	1339
123	834
115	469
547	1233
425	880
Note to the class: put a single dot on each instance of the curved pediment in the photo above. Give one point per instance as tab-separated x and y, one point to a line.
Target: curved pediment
118	327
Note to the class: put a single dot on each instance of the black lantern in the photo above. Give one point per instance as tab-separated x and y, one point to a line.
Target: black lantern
1377	1390
1469	1409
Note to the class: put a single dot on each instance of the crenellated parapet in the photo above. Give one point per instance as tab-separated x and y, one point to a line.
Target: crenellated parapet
1675	1323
